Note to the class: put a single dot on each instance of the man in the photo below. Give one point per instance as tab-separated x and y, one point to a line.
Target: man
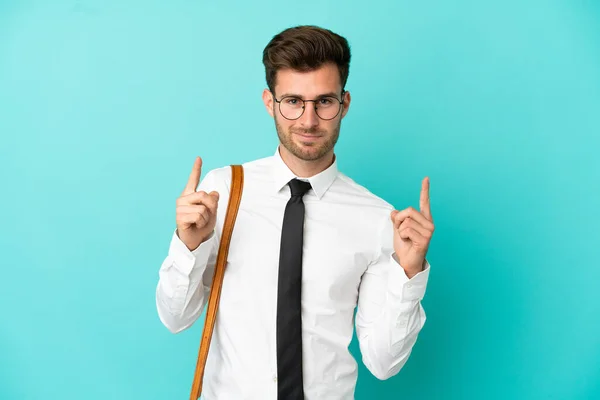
309	247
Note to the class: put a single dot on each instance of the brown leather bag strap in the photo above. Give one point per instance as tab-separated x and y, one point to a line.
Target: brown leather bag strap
237	184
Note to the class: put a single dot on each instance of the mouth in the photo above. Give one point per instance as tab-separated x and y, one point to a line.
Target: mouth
310	138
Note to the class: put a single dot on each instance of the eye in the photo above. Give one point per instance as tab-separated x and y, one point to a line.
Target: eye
292	101
325	101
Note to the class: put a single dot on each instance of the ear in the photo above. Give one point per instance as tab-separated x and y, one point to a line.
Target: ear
347	99
267	97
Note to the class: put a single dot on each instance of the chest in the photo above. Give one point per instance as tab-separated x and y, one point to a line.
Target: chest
337	247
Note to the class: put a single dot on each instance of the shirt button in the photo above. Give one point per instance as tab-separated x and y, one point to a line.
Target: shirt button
274	378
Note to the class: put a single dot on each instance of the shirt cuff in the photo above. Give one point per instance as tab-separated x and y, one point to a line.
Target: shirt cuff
184	259
404	288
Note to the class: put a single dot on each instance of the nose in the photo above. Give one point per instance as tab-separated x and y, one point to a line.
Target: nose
309	118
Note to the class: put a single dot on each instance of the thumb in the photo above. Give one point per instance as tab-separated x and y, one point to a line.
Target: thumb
214	194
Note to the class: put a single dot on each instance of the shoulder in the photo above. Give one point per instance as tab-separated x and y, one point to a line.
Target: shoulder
220	178
372	212
363	195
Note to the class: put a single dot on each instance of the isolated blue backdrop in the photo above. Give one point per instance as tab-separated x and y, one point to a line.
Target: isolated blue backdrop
105	104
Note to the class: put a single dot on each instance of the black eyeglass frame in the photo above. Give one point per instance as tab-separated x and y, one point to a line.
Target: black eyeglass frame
313	101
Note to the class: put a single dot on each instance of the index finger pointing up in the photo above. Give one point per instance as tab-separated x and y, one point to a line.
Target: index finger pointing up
424	203
194	178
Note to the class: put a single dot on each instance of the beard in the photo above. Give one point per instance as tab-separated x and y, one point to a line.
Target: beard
309	151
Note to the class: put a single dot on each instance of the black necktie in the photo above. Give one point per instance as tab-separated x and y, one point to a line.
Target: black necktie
289	317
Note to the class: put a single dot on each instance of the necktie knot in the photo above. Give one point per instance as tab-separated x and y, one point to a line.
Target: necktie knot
298	187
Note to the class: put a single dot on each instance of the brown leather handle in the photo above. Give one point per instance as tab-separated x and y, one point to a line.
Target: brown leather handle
237	184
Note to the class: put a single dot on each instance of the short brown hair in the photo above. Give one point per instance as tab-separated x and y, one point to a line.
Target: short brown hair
306	48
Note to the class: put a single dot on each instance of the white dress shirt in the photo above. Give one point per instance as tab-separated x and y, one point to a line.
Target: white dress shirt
348	262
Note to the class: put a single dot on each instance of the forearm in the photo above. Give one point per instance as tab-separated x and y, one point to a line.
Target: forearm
184	283
388	341
390	318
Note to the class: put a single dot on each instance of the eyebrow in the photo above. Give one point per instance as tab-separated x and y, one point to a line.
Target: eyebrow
330	94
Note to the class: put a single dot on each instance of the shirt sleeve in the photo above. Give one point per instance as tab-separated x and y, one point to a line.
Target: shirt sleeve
389	315
185	276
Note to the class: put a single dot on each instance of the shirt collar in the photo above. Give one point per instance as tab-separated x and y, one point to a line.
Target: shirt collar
320	182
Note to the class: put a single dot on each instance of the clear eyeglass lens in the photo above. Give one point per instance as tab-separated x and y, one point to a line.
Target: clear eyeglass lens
293	107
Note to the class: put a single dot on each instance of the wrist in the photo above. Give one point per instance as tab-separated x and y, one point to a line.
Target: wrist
192	243
412	271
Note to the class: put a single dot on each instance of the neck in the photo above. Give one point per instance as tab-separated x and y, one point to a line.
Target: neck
306	169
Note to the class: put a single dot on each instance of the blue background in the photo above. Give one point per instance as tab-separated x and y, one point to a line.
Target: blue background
105	104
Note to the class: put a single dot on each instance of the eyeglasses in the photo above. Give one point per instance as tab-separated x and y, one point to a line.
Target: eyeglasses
326	107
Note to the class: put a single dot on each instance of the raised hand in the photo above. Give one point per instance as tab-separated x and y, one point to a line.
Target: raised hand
196	212
412	233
